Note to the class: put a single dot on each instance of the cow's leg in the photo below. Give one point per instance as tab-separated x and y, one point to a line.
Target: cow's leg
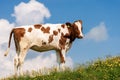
58	60
16	64
24	46
61	59
21	58
16	57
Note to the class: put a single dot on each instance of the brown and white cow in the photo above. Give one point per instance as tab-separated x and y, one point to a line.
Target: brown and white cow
44	37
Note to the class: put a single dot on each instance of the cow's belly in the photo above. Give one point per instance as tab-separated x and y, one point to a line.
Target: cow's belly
42	48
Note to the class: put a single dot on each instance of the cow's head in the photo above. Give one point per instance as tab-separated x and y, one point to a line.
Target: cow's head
78	29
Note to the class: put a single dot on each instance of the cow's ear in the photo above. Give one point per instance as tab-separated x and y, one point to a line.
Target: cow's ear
69	24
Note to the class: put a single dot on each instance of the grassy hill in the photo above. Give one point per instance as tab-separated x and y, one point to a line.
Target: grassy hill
101	69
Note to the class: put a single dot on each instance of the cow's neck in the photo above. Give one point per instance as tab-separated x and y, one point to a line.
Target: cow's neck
72	34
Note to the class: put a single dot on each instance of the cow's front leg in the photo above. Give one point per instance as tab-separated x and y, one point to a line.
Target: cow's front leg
61	60
58	60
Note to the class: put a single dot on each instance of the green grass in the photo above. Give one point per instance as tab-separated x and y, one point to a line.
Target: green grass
107	69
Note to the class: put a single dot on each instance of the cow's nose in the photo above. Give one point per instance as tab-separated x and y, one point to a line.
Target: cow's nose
80	37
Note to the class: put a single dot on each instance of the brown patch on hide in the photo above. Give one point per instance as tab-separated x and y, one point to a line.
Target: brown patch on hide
29	29
62	41
37	26
50	39
71	32
63	26
67	35
19	33
59	30
62	60
76	30
45	30
55	33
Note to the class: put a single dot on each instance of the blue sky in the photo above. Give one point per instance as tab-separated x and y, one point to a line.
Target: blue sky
93	13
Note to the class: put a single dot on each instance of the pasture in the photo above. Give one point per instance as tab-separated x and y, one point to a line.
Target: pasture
100	69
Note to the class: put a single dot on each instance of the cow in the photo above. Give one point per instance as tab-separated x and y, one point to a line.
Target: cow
44	37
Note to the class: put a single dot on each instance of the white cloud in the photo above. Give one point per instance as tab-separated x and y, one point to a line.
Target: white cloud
5	62
30	13
5	28
42	61
98	33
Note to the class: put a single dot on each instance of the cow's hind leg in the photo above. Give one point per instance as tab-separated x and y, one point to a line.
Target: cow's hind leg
16	57
21	57
21	49
16	64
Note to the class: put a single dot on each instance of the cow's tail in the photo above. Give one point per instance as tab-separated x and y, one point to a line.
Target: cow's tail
7	51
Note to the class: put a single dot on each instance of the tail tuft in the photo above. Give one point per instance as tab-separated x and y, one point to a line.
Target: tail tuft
6	53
